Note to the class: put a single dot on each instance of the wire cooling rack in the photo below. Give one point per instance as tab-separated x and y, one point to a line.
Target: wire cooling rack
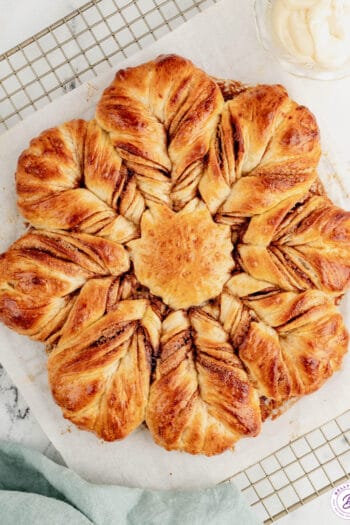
299	472
74	50
79	46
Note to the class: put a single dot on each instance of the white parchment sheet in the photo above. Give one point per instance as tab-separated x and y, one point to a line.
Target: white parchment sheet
223	41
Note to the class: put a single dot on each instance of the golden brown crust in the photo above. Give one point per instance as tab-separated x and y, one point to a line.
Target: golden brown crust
50	181
161	115
41	272
293	342
266	149
185	258
201	400
100	369
220	307
304	249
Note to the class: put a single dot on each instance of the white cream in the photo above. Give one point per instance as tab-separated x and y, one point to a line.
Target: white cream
314	31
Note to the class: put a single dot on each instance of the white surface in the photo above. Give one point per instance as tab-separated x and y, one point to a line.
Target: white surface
21	19
224	55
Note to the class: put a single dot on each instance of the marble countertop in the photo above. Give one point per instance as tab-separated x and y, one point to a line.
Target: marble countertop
18	423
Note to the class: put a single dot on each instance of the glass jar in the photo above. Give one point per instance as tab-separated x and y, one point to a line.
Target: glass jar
294	64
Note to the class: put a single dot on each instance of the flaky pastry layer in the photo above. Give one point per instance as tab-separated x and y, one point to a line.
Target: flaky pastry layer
183	264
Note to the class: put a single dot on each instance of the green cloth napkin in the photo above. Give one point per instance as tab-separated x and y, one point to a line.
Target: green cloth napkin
36	491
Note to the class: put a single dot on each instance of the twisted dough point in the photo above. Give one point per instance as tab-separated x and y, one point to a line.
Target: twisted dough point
292	342
266	148
308	248
50	180
100	370
162	115
201	400
41	272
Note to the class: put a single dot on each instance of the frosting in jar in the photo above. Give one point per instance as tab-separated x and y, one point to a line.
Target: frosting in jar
314	31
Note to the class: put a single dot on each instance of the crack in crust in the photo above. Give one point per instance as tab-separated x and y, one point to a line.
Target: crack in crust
254	326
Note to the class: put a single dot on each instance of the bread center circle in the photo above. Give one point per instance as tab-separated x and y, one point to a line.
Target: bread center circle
185	257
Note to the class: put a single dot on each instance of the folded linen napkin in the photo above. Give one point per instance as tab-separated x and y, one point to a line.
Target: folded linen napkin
36	491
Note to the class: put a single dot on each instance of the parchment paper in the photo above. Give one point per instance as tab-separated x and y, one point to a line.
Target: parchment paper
223	41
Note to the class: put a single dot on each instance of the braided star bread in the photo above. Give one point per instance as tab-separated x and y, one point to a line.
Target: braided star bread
183	264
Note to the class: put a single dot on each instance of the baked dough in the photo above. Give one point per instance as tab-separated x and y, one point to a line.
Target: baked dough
183	264
172	256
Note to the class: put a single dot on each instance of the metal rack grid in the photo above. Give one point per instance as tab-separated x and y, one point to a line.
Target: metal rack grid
79	46
74	50
299	472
